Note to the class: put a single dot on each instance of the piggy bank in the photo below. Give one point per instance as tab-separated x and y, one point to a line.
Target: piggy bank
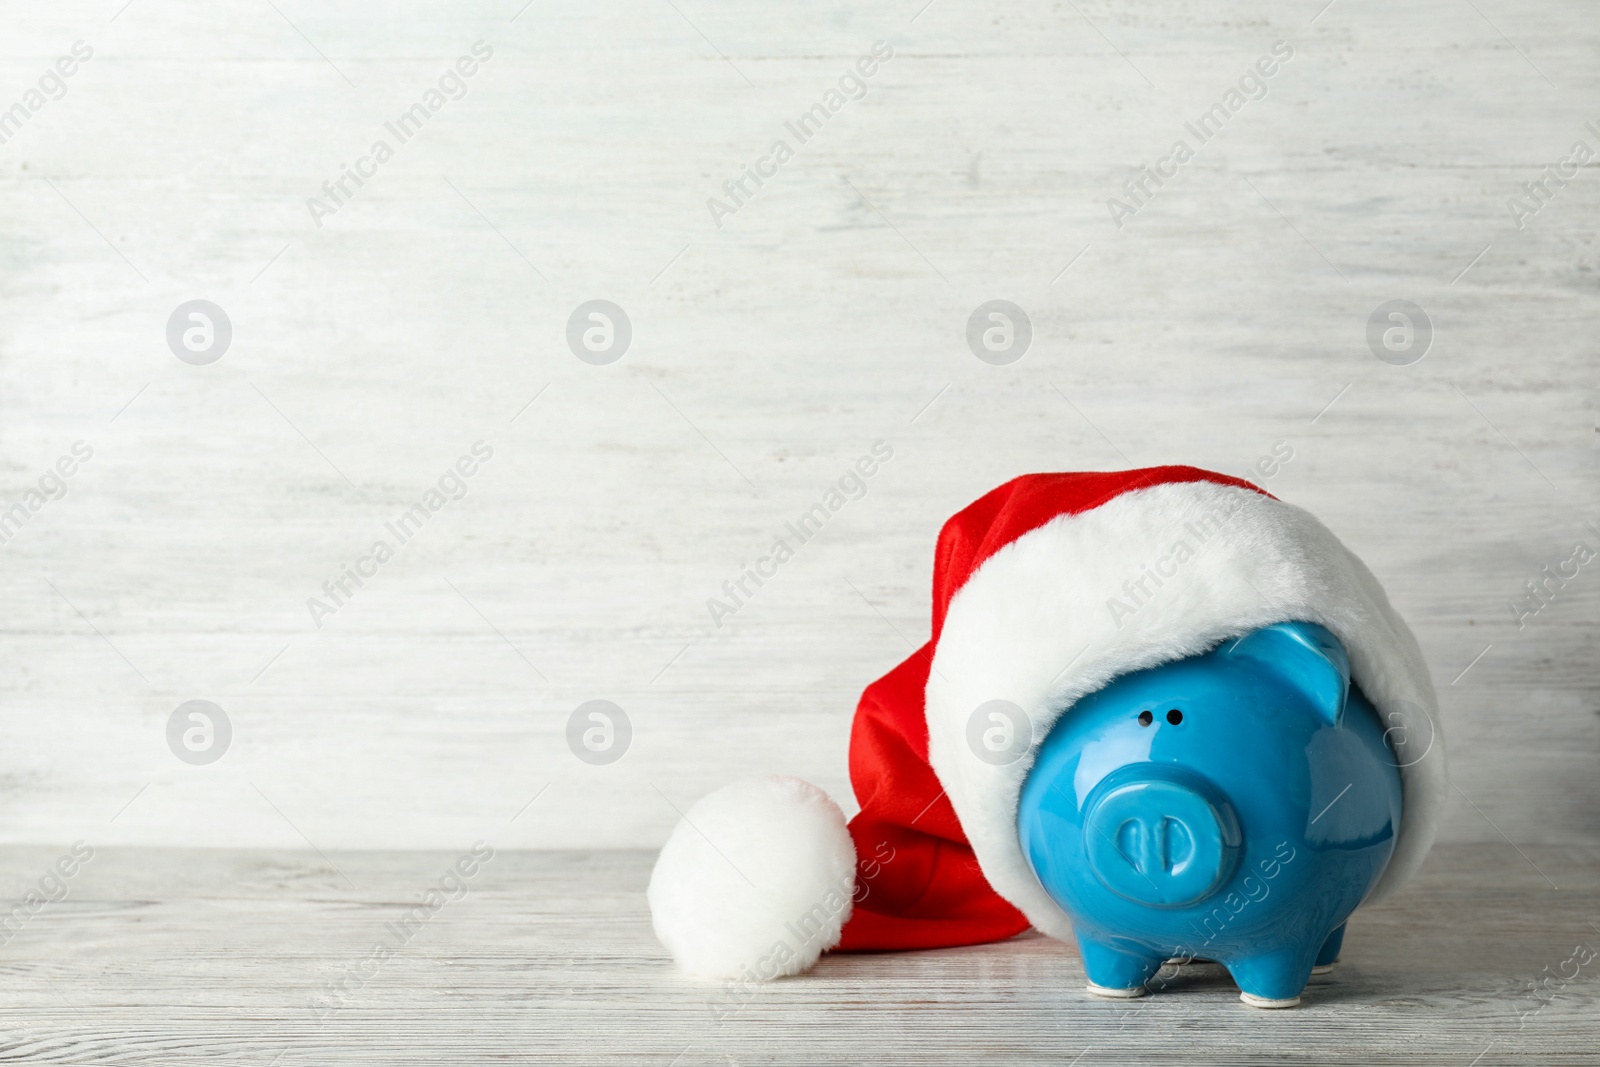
1234	806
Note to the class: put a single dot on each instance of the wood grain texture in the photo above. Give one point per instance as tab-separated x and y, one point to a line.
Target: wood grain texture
183	956
370	352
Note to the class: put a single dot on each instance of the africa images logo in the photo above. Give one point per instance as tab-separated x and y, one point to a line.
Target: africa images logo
452	85
742	188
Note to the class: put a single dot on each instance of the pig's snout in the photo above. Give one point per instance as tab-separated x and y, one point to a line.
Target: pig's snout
1160	836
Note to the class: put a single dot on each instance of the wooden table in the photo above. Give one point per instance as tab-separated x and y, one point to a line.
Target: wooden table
180	956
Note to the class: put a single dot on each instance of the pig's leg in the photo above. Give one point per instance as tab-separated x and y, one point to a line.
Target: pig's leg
1275	978
1330	952
1115	973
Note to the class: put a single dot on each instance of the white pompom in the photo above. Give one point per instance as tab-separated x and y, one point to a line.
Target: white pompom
755	881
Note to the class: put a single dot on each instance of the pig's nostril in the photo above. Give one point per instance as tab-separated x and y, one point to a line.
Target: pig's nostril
1145	718
1174	716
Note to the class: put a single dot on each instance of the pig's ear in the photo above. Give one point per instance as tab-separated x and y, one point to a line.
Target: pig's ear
1307	656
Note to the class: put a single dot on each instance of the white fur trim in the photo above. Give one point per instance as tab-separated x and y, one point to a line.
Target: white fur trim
1032	625
755	882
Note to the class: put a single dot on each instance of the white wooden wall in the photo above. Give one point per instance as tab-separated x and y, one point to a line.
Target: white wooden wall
767	356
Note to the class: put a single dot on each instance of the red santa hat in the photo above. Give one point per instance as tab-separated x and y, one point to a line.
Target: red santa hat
1044	590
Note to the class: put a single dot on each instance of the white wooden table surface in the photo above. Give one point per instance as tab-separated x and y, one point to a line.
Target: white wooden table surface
171	956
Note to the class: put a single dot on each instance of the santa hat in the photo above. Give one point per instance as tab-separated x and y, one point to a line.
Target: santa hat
1044	590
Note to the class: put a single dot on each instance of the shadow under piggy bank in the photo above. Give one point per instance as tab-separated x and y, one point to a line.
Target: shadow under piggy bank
1234	806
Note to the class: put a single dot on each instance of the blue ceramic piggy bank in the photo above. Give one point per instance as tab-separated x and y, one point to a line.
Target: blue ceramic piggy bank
1234	806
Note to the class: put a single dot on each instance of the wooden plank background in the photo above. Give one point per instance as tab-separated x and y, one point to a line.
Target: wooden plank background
829	313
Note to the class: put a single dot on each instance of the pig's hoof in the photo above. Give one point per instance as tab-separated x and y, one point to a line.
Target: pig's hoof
1116	994
1180	961
1325	968
1264	1002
